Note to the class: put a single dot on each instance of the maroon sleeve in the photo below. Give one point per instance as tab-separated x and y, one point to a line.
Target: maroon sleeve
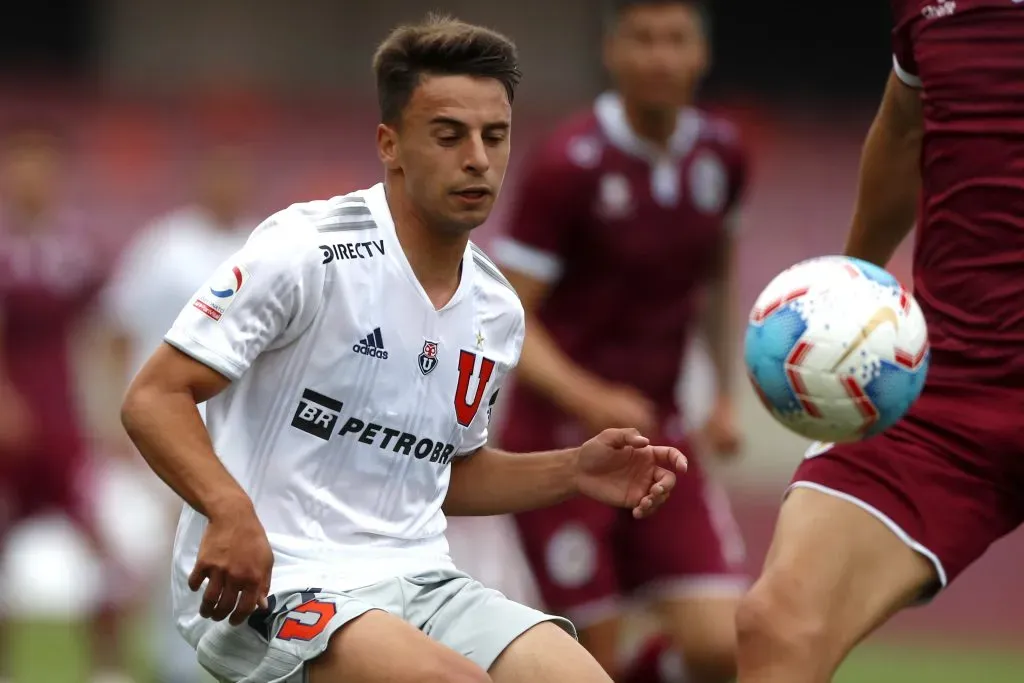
903	62
739	173
548	208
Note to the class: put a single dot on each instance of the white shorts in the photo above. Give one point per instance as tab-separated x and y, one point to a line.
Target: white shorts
449	606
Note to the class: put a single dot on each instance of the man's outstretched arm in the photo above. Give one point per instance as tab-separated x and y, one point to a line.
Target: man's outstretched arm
890	176
618	467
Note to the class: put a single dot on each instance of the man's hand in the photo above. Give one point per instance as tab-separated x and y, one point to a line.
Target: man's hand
721	434
609	406
236	559
620	467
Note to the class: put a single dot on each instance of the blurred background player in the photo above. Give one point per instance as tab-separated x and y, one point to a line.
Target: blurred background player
171	257
51	269
625	221
874	526
164	264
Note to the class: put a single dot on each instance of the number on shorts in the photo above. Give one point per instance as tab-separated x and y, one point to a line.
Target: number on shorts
297	624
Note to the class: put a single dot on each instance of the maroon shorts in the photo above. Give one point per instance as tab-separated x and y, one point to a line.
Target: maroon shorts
948	479
587	556
38	481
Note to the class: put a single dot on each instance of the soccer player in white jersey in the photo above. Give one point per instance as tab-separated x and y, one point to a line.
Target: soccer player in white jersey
349	355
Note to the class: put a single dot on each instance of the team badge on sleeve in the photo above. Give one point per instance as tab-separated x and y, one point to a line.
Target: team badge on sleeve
428	358
219	293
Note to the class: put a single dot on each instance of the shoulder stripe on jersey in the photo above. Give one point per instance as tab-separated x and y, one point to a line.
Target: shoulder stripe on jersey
353	199
484	264
346	211
345	226
480	252
317	212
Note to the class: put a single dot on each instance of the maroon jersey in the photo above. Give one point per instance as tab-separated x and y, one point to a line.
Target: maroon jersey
967	58
626	235
46	281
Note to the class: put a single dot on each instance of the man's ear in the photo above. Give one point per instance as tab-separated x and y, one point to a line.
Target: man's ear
387	146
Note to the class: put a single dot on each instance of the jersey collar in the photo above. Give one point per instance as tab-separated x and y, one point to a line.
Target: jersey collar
377	201
611	117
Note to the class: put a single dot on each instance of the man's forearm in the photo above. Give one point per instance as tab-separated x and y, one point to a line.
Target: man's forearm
546	368
890	177
169	433
494	482
720	325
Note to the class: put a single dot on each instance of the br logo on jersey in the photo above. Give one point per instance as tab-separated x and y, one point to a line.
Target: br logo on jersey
220	292
708	183
428	357
317	414
466	410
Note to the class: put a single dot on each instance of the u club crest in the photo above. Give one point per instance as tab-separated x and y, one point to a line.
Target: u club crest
428	357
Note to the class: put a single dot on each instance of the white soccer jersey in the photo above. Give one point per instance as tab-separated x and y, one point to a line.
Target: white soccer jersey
351	394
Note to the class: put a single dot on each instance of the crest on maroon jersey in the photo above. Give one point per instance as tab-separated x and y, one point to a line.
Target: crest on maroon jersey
615	196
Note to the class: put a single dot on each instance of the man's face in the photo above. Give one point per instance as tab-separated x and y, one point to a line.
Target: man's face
225	182
30	170
451	147
658	54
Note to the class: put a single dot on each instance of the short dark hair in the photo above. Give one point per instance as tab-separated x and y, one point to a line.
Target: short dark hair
617	7
440	46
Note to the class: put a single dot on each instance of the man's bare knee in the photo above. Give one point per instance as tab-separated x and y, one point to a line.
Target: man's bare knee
772	620
833	574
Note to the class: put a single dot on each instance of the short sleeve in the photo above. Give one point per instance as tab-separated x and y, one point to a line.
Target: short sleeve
739	180
546	210
477	435
262	297
903	62
730	148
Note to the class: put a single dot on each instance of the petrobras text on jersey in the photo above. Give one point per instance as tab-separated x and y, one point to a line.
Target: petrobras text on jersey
318	415
397	441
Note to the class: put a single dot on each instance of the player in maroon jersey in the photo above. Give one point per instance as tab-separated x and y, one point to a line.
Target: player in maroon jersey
872	527
50	272
624	222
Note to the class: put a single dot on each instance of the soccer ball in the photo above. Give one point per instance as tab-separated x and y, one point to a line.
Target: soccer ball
836	349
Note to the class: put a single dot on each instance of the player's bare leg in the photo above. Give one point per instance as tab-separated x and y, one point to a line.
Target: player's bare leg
546	654
833	574
703	630
378	647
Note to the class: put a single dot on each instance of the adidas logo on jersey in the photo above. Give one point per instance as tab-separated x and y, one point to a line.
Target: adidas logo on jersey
317	414
372	346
